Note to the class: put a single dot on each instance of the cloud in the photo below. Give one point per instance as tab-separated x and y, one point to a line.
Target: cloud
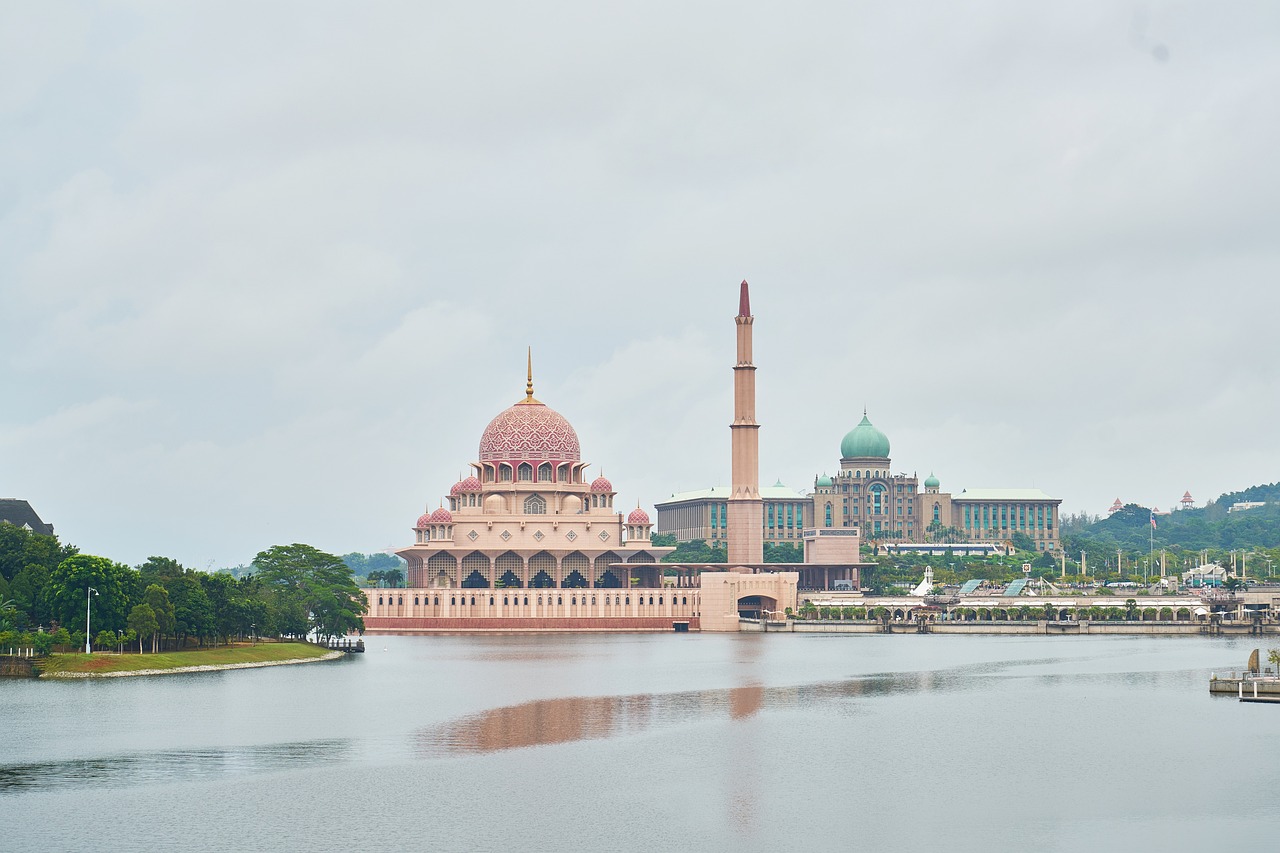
266	279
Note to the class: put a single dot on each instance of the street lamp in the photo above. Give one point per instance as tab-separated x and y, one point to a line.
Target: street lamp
87	599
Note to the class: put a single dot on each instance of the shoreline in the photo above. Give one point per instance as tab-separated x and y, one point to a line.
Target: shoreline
216	667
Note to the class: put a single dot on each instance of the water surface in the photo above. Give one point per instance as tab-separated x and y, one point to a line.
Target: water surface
642	742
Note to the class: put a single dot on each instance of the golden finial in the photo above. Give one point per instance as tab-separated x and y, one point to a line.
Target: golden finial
528	385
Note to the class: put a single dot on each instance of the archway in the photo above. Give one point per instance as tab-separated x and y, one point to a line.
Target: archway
754	606
474	564
543	564
442	570
601	567
509	567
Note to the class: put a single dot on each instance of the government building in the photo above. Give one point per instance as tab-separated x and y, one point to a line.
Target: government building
885	507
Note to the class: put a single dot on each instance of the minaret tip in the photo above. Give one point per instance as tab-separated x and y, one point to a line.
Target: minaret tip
744	301
528	385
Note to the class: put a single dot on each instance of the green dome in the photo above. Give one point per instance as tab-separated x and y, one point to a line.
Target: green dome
824	480
931	482
865	441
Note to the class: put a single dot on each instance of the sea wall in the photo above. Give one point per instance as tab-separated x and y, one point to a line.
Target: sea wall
499	624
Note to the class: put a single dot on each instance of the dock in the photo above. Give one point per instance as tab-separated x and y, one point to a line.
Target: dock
350	645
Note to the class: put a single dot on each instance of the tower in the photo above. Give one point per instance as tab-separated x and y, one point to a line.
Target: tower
746	512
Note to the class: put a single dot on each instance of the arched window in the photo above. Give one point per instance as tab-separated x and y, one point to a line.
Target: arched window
828	515
437	601
535	505
559	599
504	473
525	472
877	497
415	600
491	601
526	601
628	601
937	513
379	599
544	472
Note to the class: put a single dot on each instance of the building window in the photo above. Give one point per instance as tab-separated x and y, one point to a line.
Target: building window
828	515
535	505
544	472
525	472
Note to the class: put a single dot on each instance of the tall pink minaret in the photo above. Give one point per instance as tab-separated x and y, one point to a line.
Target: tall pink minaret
746	512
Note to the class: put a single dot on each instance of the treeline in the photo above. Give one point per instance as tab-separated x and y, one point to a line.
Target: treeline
699	551
1185	534
292	590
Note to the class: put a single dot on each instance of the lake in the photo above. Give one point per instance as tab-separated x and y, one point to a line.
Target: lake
657	742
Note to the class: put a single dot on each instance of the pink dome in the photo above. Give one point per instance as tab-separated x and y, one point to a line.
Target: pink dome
529	432
638	516
600	484
470	484
442	516
424	521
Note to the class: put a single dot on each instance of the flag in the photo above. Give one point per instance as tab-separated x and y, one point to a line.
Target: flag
1153	519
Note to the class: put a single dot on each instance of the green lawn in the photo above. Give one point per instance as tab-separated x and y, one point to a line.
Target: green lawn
129	662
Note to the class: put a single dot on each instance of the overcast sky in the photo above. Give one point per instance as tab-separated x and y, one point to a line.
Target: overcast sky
268	269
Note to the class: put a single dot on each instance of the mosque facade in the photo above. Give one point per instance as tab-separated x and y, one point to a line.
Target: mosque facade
530	541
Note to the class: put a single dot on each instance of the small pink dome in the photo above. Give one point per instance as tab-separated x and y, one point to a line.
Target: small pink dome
442	516
424	521
638	516
600	484
470	484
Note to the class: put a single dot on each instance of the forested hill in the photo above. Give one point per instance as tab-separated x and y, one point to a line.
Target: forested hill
1208	527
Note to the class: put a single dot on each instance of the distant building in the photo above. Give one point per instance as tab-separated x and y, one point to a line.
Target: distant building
704	514
1186	502
1241	506
20	514
896	507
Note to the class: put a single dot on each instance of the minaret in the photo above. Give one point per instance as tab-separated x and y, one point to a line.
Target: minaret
746	512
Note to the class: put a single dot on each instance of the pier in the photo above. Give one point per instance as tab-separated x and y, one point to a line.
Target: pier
350	645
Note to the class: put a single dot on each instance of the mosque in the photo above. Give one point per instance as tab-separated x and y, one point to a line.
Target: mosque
528	543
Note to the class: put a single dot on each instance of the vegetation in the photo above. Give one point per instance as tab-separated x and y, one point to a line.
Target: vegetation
222	655
292	590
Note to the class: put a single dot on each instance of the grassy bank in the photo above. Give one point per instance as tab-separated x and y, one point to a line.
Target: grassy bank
102	662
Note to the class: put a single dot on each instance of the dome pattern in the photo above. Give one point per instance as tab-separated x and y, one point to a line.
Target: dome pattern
442	516
865	442
931	482
638	516
470	484
529	432
424	521
824	480
600	484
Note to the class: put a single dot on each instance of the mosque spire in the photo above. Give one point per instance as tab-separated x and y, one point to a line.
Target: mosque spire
528	385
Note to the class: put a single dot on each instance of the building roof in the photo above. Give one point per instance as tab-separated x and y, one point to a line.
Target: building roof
768	493
1004	495
20	514
865	442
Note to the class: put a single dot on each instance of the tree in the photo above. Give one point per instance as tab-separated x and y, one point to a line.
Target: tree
157	598
311	590
69	583
142	622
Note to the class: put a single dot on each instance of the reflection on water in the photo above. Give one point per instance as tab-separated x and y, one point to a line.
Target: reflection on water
167	766
574	718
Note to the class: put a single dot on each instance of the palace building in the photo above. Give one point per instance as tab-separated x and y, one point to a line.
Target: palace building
896	507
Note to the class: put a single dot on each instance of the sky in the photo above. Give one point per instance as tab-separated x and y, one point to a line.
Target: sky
268	269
